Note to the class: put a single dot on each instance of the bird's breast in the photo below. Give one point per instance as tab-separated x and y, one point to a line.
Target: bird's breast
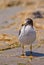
28	35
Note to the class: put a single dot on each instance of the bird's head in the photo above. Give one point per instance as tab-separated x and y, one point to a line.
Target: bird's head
29	21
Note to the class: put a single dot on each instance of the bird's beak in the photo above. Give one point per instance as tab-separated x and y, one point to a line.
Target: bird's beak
23	24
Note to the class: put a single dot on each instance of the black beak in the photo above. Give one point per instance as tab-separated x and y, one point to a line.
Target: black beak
22	24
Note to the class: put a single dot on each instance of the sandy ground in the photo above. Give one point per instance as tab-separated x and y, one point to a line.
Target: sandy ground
12	57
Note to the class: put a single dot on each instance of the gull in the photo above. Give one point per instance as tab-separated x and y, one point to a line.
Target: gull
27	35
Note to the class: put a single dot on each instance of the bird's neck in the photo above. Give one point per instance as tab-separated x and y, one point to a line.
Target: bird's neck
29	25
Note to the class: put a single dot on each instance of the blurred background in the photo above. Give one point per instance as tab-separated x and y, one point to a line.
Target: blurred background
13	14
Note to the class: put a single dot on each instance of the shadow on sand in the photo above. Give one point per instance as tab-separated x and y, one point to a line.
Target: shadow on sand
34	54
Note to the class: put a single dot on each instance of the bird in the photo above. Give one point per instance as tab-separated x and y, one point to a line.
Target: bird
27	35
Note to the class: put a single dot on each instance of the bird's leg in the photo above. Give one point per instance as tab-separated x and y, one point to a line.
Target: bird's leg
31	52
22	50
23	55
31	49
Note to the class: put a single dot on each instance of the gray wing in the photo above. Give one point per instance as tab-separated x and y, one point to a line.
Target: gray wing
19	31
21	28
